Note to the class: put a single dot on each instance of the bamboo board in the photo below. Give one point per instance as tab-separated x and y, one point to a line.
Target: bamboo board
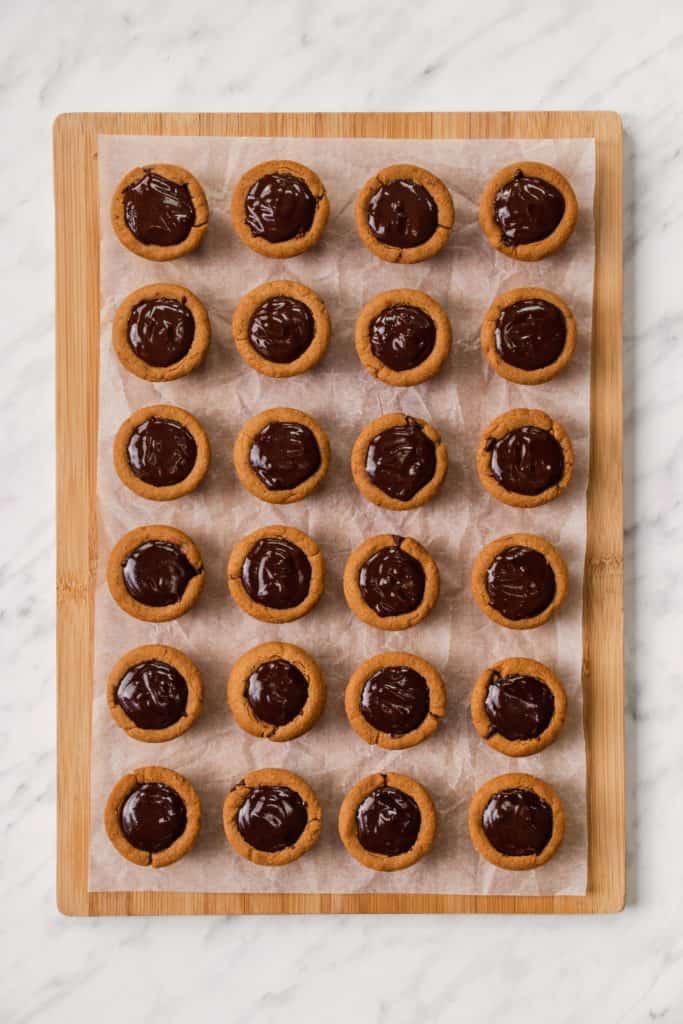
77	336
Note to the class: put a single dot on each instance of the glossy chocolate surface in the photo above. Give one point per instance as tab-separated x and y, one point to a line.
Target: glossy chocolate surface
391	581
277	691
388	821
161	452
284	454
276	573
152	817
527	460
158	211
402	214
402	337
395	700
279	207
153	694
401	460
281	329
156	573
530	334
519	707
527	209
520	583
518	823
272	818
160	331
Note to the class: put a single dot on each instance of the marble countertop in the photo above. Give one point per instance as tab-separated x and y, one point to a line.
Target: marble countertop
345	55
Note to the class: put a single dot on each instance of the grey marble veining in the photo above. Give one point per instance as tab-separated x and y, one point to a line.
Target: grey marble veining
72	55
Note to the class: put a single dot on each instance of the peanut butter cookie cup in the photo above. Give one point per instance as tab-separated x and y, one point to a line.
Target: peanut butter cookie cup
160	212
399	462
528	335
281	455
276	574
153	816
403	337
272	817
391	582
518	706
525	458
519	581
528	210
281	328
279	208
404	214
516	822
387	821
161	332
395	700
155	573
276	691
154	693
161	452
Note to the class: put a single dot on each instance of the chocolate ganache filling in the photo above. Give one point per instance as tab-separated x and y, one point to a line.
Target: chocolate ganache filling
279	207
388	821
518	823
402	214
161	452
281	329
158	211
272	818
527	209
276	573
401	460
284	454
391	581
395	700
152	817
160	331
519	707
277	692
156	573
153	694
520	583
527	460
402	337
530	334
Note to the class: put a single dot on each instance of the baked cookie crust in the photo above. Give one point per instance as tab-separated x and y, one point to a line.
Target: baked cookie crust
375	494
172	491
127	544
242	449
182	664
436	358
515	373
122	790
484	560
243	712
348	830
439	193
161	253
482	723
200	343
480	841
293	246
390	659
504	424
271	777
530	251
355	599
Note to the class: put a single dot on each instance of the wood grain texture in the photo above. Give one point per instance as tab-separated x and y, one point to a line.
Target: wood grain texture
77	283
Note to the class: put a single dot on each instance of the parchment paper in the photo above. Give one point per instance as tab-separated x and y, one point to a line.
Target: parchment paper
457	637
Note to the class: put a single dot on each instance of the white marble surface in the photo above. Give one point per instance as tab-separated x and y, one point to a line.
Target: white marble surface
70	55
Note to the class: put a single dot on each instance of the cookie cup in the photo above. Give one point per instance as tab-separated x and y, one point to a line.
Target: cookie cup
161	253
428	367
182	664
516	374
354	596
484	560
375	494
127	544
242	450
515	780
171	491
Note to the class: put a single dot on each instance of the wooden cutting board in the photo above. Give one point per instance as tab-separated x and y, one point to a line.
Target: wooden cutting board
78	315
